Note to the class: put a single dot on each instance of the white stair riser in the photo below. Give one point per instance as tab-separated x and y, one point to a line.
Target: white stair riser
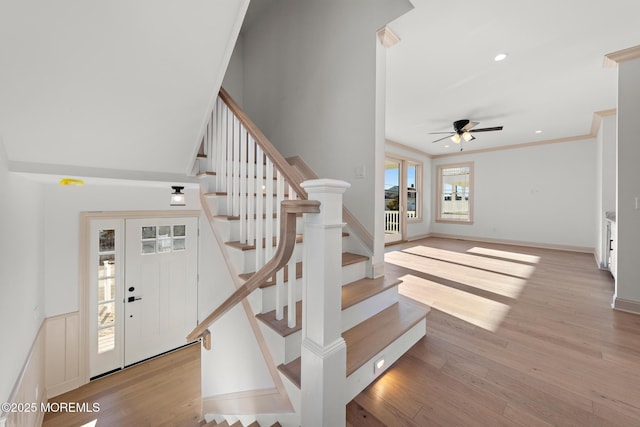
218	204
269	295
353	272
245	261
230	229
363	376
283	349
367	308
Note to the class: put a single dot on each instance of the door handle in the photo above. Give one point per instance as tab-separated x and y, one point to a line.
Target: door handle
610	243
132	299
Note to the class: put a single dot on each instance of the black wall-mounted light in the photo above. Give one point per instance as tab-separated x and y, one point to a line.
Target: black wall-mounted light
177	197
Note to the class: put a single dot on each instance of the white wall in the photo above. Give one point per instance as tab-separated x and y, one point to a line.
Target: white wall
542	194
235	361
21	271
63	206
605	182
421	228
628	182
233	77
310	85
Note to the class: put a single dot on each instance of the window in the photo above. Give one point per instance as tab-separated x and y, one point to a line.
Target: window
454	191
163	239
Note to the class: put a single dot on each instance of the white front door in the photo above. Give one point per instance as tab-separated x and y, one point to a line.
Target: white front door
143	289
160	285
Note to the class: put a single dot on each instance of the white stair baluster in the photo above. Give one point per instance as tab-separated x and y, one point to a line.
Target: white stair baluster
251	189
280	294
236	166
268	199
243	184
229	168
221	147
291	281
260	207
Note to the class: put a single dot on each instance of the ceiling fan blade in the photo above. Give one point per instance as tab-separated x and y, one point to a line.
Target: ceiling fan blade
487	129
436	133
448	136
470	125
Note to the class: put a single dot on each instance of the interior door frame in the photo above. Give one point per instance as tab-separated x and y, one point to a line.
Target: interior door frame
421	187
401	197
84	271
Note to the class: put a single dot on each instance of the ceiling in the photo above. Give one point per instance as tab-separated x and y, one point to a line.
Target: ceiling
113	88
553	79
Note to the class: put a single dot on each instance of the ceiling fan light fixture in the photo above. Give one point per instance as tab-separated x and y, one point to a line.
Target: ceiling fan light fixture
467	136
456	138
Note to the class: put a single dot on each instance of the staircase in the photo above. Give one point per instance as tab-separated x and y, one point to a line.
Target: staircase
243	182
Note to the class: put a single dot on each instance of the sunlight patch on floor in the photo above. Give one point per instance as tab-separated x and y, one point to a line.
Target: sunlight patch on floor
90	424
482	312
491	264
515	256
496	283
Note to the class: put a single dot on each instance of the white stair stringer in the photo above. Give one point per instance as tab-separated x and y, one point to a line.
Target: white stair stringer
279	385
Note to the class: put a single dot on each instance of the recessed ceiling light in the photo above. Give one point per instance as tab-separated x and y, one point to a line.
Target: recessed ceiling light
446	146
500	57
538	131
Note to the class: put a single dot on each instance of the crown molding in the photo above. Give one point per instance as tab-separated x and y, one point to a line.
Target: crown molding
611	60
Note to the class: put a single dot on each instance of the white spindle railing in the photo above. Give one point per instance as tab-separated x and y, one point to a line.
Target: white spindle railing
392	221
255	186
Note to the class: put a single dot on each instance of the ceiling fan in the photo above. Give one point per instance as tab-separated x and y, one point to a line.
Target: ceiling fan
462	130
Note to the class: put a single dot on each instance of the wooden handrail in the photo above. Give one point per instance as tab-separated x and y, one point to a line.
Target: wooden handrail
289	209
293	177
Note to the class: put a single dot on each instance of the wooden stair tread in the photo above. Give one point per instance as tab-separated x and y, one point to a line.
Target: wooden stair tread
224	193
236	424
206	173
360	290
368	338
347	259
281	326
352	294
237	217
251	246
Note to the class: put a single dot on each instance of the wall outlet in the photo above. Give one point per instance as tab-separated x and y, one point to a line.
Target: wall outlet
359	172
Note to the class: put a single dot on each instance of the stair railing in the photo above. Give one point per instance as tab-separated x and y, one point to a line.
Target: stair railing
290	210
256	179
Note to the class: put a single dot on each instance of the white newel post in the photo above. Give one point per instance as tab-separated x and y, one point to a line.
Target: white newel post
324	352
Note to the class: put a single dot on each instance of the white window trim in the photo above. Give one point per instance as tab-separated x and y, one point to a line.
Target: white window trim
438	193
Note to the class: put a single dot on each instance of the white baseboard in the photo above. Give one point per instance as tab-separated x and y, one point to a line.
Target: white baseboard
568	248
626	305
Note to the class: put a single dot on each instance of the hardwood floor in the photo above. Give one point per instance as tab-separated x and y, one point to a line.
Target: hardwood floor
160	392
516	337
533	345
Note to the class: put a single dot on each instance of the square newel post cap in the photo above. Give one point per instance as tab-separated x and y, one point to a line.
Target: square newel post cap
325	185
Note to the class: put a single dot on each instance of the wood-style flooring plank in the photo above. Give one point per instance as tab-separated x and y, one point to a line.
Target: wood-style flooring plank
559	355
161	392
